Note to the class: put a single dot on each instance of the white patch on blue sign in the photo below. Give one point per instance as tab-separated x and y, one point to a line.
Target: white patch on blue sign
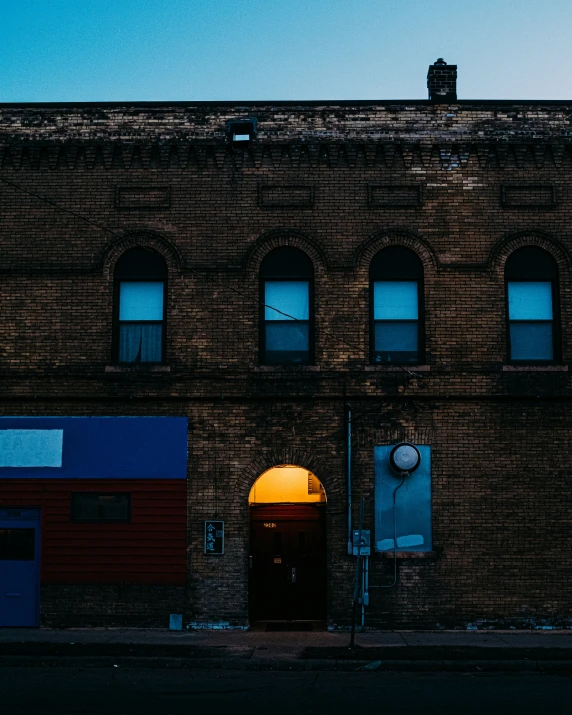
31	447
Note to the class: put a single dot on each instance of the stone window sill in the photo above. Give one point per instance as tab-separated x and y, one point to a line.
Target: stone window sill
409	554
287	368
535	368
137	369
397	368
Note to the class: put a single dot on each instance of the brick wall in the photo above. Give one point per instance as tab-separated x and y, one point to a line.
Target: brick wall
499	436
121	605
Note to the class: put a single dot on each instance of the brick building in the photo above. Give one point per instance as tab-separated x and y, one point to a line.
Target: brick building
268	275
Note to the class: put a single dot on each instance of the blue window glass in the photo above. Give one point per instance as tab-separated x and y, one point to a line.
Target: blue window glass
291	298
395	300
530	320
396	336
140	321
531	341
531	275
286	331
530	301
140	283
396	321
287	337
140	301
396	310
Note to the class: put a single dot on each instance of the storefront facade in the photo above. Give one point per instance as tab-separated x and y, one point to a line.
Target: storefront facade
341	278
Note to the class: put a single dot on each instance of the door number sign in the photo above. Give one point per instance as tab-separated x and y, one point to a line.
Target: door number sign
214	537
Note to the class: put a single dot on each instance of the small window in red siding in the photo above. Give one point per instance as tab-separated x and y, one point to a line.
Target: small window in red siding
97	507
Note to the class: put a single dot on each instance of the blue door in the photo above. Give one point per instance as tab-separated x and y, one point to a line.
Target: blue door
19	567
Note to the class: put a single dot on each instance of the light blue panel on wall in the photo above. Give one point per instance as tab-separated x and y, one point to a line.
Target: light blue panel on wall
413	504
31	447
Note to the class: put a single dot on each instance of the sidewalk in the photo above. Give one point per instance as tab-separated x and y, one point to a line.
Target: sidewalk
547	651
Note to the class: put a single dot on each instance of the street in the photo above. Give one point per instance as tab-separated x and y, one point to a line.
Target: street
117	691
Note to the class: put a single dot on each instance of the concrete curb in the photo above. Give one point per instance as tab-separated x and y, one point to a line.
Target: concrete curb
260	664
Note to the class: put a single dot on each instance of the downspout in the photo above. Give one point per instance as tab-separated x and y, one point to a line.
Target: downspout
349	474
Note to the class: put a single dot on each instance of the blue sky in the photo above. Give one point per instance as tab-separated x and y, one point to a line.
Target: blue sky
113	50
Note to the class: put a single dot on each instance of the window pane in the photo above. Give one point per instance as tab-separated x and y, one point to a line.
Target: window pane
291	297
101	507
139	342
287	342
395	300
531	341
396	342
17	544
140	301
530	301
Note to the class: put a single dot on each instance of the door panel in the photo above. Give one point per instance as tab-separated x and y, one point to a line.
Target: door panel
288	563
19	567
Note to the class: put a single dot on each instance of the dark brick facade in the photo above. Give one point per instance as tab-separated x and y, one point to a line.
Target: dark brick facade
166	176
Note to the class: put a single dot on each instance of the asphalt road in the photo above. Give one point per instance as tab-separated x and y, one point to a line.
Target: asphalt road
116	691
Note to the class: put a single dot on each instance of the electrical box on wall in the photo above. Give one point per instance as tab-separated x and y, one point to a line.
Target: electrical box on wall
410	521
361	539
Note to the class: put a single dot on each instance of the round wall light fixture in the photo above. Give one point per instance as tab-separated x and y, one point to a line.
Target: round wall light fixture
404	458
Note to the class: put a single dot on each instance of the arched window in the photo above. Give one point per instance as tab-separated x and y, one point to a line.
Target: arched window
396	309
140	291
531	277
286	277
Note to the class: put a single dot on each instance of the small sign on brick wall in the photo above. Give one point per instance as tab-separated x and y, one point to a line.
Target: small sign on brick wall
528	196
214	537
153	198
380	196
292	196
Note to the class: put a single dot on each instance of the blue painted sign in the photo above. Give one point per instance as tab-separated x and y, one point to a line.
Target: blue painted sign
93	447
411	519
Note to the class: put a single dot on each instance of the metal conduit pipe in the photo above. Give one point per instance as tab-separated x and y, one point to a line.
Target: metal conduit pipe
349	474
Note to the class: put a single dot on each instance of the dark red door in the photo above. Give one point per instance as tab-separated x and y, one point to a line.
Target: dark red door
287	563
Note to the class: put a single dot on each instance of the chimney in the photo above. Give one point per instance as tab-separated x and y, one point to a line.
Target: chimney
442	81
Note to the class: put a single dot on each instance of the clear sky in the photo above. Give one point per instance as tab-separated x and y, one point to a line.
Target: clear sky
113	50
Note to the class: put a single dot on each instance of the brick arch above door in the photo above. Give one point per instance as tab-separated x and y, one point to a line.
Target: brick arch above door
276	457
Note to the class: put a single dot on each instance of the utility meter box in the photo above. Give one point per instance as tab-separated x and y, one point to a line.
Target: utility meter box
363	539
402	503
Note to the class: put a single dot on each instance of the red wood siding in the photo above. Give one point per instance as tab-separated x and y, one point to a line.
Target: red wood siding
151	549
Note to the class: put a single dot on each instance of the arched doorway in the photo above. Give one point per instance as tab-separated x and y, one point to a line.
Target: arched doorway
287	564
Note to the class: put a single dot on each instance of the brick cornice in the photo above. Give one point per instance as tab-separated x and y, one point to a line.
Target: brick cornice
209	155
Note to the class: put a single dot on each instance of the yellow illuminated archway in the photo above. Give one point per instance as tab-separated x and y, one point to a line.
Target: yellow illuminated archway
287	484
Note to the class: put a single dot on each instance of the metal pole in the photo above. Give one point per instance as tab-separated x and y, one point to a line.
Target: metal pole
349	474
357	578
